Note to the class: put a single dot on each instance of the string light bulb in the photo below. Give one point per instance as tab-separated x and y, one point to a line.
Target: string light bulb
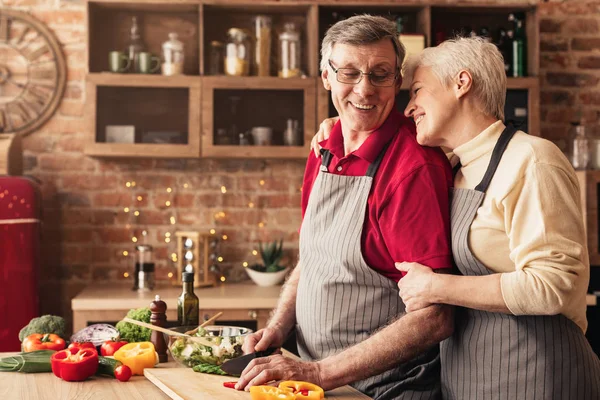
139	198
168	203
261	224
220	259
134	239
261	182
125	253
212	231
223	189
185	185
126	275
224	237
245	264
172	219
136	213
223	279
170	274
128	184
169	190
254	252
126	209
251	205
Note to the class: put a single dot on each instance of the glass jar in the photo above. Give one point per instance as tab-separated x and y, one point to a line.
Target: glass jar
173	56
237	53
262	50
216	57
144	268
289	52
580	147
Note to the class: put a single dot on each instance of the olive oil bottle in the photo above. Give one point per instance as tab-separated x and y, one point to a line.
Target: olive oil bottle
188	311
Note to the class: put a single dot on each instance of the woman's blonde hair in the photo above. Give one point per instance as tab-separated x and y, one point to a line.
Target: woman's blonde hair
481	58
360	30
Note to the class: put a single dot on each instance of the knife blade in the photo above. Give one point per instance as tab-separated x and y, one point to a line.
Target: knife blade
235	366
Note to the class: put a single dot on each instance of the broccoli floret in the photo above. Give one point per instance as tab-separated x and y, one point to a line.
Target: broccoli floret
44	324
134	333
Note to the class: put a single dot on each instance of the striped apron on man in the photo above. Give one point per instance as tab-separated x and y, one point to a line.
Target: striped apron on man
501	356
341	301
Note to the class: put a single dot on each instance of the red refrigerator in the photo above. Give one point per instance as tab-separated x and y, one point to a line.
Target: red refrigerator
20	205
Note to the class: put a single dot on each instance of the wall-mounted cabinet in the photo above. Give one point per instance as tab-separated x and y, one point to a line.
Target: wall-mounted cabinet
202	114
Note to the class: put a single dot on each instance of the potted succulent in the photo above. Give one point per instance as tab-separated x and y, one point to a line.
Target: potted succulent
270	272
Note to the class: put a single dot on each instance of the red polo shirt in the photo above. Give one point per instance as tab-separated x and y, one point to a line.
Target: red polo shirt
408	213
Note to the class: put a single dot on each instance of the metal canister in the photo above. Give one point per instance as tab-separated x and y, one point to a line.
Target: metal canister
144	268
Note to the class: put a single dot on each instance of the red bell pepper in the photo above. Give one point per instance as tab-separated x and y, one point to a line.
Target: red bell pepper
75	364
43	341
109	347
82	345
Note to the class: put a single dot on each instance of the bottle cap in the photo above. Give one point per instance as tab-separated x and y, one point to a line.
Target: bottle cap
187	277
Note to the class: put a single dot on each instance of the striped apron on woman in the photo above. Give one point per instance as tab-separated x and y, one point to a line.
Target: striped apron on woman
501	356
341	301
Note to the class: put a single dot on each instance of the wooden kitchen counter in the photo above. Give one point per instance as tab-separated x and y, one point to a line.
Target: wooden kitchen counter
238	301
46	386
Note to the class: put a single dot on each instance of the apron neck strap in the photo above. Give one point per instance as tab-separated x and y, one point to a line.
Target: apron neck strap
327	156
501	145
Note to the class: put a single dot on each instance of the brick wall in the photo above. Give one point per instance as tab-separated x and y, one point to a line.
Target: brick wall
86	228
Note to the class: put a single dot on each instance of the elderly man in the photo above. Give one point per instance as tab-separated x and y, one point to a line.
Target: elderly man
375	197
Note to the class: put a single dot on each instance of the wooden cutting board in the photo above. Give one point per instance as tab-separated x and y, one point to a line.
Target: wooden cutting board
185	384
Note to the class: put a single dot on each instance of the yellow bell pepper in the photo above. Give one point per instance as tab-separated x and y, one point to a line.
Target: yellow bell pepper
137	356
303	390
270	393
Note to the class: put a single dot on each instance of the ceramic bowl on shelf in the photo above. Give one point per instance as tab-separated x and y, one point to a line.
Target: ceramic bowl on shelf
267	278
226	344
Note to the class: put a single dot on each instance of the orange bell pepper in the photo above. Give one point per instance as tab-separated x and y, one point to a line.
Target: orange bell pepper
303	390
137	356
270	393
43	341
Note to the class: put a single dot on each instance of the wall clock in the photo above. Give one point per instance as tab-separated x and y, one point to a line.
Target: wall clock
33	73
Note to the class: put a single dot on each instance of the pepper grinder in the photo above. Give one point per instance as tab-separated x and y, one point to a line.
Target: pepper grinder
159	318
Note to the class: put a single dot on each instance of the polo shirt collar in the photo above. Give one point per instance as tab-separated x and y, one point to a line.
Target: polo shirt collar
372	146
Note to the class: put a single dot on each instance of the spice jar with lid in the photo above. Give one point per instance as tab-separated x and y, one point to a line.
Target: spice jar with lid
289	52
173	56
262	53
237	53
216	58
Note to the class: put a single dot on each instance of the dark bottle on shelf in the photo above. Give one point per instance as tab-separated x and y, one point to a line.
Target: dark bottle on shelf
504	46
518	48
188	305
484	32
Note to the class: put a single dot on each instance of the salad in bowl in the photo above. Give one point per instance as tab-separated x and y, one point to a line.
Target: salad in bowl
226	343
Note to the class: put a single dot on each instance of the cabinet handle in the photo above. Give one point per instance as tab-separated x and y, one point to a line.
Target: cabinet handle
252	314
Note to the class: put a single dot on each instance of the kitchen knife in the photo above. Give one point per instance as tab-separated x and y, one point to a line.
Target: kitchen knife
235	366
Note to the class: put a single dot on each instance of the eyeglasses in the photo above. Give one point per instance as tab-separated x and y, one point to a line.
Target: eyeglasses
354	76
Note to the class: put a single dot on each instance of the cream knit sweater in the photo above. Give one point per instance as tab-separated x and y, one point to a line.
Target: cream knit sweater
529	227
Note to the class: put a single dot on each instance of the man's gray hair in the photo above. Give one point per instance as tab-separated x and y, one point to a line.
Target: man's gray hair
476	55
360	30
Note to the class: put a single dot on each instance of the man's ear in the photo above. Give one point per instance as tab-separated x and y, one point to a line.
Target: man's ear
325	79
463	83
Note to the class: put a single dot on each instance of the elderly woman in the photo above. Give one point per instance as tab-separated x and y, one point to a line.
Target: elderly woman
517	238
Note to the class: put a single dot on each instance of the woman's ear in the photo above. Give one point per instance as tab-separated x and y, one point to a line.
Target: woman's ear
463	83
325	78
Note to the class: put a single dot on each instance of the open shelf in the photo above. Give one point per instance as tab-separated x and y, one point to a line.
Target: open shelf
218	18
109	25
140	121
256	102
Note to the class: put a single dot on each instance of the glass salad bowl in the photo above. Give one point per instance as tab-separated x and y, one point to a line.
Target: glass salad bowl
225	343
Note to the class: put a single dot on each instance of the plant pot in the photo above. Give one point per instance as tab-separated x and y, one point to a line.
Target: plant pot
266	278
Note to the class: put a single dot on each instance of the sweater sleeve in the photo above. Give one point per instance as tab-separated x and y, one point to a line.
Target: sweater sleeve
547	242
